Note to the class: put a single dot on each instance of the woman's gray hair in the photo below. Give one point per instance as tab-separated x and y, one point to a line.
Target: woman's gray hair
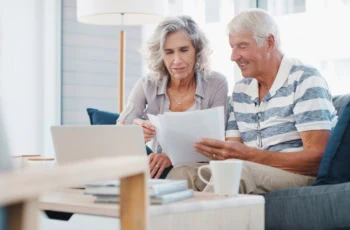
259	23
154	49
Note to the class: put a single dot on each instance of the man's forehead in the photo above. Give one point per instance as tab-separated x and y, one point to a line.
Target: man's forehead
240	37
237	35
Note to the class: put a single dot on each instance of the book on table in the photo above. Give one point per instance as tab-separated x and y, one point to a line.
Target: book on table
160	191
161	199
156	187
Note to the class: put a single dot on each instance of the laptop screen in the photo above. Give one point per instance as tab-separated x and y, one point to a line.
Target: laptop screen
77	143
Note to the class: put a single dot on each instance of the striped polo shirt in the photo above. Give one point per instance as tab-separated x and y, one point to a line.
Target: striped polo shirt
299	100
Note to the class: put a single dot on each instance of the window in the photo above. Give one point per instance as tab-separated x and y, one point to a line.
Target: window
29	75
277	7
315	32
213	17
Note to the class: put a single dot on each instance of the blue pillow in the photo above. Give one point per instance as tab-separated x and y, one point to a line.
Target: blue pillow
99	117
3	218
335	162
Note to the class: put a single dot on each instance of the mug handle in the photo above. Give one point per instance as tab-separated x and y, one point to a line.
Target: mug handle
200	175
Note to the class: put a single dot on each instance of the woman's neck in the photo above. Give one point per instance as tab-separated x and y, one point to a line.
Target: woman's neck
182	85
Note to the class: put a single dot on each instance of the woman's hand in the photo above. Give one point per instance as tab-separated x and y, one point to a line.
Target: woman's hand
157	164
148	129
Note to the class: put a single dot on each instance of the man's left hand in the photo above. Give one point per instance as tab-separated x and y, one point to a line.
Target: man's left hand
222	150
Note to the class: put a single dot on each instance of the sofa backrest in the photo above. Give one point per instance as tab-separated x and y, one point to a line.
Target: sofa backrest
340	102
335	161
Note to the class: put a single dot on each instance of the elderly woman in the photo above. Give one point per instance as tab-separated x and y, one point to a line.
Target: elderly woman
180	80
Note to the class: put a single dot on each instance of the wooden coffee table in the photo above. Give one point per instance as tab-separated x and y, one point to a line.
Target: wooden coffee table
71	209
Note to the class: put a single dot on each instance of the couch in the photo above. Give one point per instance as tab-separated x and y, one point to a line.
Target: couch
325	205
313	207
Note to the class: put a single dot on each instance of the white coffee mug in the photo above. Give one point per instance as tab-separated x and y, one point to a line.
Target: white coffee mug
226	176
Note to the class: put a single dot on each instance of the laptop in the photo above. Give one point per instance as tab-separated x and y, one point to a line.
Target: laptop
77	143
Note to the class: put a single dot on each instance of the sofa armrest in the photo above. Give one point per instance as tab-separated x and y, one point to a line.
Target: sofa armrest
313	207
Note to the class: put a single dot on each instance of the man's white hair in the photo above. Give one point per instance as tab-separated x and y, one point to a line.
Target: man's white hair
259	23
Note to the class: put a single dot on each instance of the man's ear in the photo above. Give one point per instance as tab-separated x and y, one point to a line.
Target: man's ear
271	42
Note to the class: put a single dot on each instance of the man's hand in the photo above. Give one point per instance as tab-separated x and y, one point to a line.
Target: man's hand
221	150
148	128
304	162
157	164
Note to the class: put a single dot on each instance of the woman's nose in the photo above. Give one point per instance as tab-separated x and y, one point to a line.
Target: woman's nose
177	58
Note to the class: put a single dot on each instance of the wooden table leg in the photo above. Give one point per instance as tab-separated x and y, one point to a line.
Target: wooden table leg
134	202
23	216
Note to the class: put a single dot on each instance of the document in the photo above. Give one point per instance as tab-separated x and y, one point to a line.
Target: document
178	131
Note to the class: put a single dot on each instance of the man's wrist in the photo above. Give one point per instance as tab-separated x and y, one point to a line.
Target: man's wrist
248	153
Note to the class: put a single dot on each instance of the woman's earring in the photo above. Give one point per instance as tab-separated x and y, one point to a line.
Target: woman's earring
197	66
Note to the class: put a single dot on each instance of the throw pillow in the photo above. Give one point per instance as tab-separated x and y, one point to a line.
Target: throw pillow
3	217
99	117
334	167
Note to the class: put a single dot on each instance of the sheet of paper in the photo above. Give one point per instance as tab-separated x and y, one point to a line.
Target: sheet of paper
155	121
180	130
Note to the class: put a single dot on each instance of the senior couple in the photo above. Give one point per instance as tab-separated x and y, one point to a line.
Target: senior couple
279	116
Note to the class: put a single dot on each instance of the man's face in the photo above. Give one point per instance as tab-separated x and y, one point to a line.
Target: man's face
250	58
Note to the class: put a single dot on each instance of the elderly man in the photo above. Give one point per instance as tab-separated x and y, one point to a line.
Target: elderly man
281	113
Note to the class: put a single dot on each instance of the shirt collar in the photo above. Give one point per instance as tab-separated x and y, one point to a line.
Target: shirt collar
162	85
199	86
252	90
281	77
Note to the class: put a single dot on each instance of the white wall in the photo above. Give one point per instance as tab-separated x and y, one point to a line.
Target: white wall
28	76
90	70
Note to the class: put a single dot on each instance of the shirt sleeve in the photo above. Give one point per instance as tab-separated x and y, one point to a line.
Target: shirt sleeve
313	107
232	127
136	104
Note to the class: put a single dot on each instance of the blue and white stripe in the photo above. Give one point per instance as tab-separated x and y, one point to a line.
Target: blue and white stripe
299	100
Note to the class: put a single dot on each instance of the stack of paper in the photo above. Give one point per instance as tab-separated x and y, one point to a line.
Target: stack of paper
178	131
160	191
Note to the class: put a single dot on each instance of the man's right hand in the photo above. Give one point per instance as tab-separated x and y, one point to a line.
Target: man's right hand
148	129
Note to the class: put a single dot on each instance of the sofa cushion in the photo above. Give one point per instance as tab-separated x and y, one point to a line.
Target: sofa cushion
99	117
340	102
311	207
336	158
3	218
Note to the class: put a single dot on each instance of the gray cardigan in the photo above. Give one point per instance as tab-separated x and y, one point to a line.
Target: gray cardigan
149	96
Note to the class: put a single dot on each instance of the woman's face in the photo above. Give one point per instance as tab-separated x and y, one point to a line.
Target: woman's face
179	55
